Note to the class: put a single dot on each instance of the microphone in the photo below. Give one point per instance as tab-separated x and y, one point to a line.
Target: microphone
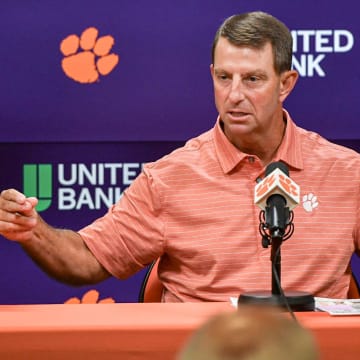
277	182
277	195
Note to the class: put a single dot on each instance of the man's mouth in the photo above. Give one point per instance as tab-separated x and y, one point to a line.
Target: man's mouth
238	114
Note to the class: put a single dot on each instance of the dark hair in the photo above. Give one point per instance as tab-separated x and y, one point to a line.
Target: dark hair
256	29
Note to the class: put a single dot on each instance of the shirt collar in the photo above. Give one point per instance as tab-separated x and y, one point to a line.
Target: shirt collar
289	150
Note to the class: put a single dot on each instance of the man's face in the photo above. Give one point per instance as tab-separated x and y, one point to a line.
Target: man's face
248	93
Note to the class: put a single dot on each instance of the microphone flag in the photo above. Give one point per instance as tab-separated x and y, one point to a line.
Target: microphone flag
277	182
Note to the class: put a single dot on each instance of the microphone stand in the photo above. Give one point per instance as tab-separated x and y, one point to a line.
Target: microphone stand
295	300
276	265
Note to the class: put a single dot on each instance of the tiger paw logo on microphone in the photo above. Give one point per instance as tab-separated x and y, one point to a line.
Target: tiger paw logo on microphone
277	182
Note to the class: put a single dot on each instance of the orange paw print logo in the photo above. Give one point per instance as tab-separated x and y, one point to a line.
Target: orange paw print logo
90	297
265	185
286	183
86	57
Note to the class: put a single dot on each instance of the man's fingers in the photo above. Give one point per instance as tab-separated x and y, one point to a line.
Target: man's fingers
28	208
18	229
18	216
13	195
33	201
13	201
16	219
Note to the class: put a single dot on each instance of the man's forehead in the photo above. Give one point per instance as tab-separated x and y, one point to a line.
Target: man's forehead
225	49
224	41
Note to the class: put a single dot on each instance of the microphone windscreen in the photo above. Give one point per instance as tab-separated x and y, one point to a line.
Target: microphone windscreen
277	165
277	181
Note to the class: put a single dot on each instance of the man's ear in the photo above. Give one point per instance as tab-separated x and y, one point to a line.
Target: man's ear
212	70
288	80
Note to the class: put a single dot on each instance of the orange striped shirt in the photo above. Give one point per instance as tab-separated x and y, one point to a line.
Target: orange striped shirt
195	208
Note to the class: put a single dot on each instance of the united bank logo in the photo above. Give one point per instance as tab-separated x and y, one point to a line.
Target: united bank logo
37	181
312	46
78	186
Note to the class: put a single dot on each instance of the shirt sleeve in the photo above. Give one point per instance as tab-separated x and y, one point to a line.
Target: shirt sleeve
130	235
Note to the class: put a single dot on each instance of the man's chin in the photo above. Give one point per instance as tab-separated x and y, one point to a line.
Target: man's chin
238	131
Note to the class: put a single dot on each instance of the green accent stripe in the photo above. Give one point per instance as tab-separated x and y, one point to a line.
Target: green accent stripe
45	181
30	179
43	204
37	181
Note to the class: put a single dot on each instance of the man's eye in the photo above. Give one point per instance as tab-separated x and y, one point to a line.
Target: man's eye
223	77
253	78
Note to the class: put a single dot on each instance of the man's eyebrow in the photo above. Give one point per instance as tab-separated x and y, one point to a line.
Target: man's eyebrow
256	72
220	70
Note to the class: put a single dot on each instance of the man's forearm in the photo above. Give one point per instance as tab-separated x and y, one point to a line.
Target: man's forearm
63	255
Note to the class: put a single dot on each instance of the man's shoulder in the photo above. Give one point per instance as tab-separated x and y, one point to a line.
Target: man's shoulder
191	153
196	144
316	146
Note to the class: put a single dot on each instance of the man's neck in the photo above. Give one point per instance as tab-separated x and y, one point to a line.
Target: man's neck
265	148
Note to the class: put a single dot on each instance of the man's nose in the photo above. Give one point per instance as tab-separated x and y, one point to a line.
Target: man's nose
236	93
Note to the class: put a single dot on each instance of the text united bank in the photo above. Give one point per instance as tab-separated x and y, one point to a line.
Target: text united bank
78	185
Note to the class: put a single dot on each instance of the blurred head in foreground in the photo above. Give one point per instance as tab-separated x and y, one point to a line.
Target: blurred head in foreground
252	332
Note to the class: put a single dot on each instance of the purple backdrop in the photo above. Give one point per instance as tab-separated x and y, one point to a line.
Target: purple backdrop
161	89
159	93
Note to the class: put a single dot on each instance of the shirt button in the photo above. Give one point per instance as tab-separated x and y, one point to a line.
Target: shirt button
251	159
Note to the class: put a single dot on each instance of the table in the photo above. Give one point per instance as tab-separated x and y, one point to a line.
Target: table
138	331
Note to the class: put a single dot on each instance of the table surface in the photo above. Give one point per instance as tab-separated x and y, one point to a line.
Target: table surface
139	330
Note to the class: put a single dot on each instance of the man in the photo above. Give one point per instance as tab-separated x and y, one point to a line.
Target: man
194	208
252	332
